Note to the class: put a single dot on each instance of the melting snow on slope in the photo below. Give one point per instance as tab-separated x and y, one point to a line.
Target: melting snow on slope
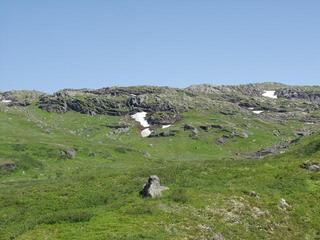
166	126
140	117
6	101
257	112
270	94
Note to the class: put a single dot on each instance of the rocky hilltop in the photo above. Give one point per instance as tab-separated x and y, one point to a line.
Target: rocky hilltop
164	105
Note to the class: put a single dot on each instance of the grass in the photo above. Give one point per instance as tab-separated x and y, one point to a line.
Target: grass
96	196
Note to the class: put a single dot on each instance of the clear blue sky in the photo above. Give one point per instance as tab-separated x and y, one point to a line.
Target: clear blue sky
53	44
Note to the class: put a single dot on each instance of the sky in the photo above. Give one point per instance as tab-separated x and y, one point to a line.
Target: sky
50	45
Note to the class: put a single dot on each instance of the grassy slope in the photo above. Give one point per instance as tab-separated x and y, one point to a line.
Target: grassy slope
97	197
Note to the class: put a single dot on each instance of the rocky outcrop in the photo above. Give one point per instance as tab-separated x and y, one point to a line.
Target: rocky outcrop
160	103
152	187
20	98
296	93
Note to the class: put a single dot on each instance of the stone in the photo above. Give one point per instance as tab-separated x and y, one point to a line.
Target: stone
314	168
8	166
222	140
217	236
152	187
283	204
188	127
311	166
69	153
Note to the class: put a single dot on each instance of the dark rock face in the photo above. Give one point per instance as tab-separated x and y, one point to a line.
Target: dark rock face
299	94
118	102
152	187
8	166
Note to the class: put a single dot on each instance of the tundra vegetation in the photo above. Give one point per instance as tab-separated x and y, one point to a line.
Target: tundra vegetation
73	164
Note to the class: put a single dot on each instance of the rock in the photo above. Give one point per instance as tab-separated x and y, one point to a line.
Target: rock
205	127
69	153
296	93
240	134
117	126
8	166
311	166
253	194
210	126
222	140
258	213
169	133
188	127
314	168
217	236
152	187
283	204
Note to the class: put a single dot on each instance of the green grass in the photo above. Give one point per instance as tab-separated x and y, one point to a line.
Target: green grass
97	196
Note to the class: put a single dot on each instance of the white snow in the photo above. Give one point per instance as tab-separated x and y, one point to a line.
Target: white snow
270	94
140	117
6	101
166	126
257	112
145	132
250	108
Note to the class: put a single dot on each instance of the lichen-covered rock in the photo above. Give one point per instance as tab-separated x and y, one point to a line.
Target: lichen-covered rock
152	187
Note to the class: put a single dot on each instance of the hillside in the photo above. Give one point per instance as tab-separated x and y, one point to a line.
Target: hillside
240	162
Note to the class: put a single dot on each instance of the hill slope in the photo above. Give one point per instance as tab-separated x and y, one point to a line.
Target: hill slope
73	163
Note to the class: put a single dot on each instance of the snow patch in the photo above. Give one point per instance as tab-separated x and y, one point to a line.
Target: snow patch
257	112
166	126
145	132
250	108
140	117
6	101
270	94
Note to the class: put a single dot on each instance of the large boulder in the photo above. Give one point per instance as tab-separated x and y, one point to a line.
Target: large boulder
152	187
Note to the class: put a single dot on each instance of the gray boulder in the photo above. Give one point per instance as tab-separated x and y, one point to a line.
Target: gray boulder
152	187
69	153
